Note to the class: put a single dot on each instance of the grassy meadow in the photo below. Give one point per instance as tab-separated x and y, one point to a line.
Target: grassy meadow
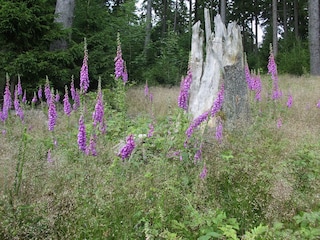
262	179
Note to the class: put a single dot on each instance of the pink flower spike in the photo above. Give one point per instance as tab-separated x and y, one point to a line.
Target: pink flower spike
84	73
217	105
91	149
279	123
82	142
49	158
24	98
52	114
146	89
126	151
66	103
219	130
19	86
40	93
318	105
204	172
72	89
151	130
151	97
184	91
119	63
34	99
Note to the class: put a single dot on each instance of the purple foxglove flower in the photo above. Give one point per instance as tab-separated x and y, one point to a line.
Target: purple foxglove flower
318	104
47	91
17	107
197	156
204	172
24	98
76	103
196	122
217	105
4	132
219	129
257	87
103	127
82	141
279	123
272	69
184	91
40	93
126	151
272	66
84	73
7	101
19	88
98	113
290	101
151	130
66	103
119	63
57	97
146	89
248	77
34	99
125	75
72	89
49	158
91	149
151	97
52	114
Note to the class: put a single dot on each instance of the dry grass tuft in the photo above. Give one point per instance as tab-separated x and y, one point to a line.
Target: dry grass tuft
164	99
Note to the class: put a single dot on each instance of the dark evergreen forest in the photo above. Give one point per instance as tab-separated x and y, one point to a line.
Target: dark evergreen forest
155	47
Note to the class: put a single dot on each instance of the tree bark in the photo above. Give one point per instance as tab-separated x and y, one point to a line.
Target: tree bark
314	45
164	17
148	27
175	16
223	64
296	19
274	28
223	10
64	15
285	25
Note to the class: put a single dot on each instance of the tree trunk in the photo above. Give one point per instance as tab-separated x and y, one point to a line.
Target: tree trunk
296	19
274	28
223	10
223	65
64	15
175	16
314	46
285	25
190	17
164	18
148	27
257	34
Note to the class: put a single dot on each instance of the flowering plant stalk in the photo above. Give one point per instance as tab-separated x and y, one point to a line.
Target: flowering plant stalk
120	72
20	163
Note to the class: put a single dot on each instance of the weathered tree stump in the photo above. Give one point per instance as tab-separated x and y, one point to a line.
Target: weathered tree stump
223	64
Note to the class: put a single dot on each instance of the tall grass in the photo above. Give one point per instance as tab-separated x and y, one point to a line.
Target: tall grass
262	181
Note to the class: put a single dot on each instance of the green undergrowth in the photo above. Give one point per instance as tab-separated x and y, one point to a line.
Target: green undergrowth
257	185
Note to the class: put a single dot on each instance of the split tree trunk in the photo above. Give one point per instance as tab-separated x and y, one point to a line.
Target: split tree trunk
64	15
223	64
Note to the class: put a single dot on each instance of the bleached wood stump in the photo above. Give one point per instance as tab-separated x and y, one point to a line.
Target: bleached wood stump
223	64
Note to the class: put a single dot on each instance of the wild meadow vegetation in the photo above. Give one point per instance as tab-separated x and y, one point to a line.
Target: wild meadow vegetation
115	164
